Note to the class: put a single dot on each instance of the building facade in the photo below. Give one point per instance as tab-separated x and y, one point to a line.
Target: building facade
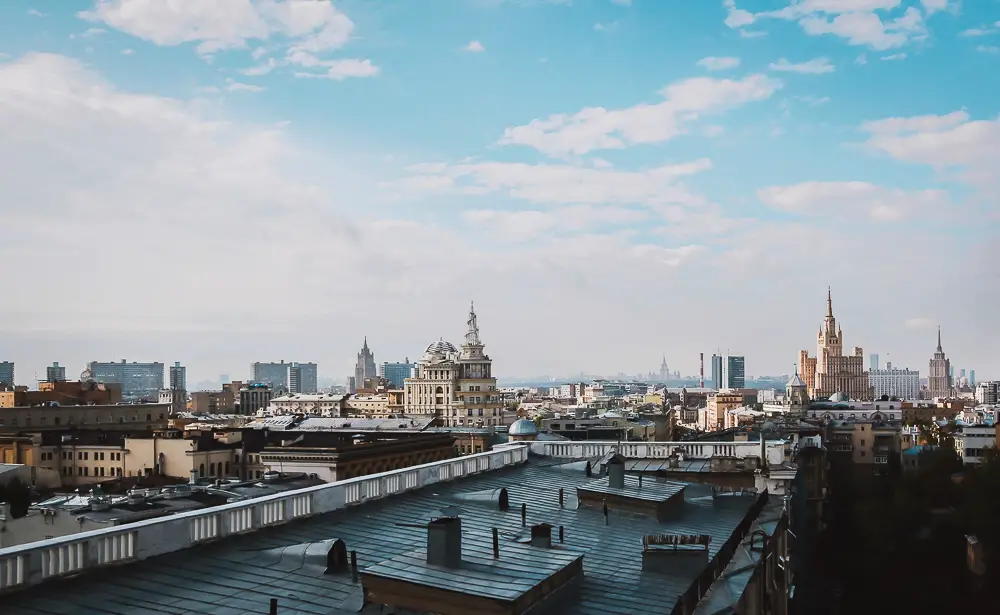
456	387
274	375
55	373
254	398
364	368
895	382
830	371
939	375
138	380
396	373
303	378
734	372
716	371
178	377
7	373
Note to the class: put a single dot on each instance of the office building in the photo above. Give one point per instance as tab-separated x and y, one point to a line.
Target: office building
302	378
7	373
396	373
733	372
282	377
972	378
939	378
895	382
831	371
254	398
274	375
873	360
716	371
138	380
178	377
55	373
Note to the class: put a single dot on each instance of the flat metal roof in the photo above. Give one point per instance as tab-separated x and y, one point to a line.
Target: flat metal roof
240	574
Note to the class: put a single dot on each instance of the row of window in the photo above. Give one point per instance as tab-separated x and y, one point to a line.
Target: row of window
42	421
85	471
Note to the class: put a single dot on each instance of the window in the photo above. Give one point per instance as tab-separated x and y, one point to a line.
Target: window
201	470
57	420
86	471
227	468
211	469
862	442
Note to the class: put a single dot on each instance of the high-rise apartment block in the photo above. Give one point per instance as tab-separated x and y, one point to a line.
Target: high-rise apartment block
716	372
138	380
895	382
302	378
178	377
7	373
733	372
939	378
396	373
55	373
254	397
873	362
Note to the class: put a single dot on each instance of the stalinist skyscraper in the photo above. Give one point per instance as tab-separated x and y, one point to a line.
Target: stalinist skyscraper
830	371
939	376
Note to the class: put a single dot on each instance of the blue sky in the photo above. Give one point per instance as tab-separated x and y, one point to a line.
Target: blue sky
618	179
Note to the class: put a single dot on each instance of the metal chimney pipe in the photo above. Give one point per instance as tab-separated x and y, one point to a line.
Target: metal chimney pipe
562	534
496	543
524	515
605	512
354	566
273	610
561	497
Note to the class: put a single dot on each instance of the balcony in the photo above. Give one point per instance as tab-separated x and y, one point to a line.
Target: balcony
658	450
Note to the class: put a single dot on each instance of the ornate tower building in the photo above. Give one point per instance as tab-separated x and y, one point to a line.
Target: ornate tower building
939	376
830	371
455	386
365	367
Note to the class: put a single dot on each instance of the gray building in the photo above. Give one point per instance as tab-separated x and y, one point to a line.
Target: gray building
254	397
274	375
365	367
138	380
734	372
178	377
873	362
396	373
55	373
303	378
287	377
7	372
716	371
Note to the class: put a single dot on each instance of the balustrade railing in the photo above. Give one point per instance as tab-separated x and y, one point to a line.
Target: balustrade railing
29	564
659	450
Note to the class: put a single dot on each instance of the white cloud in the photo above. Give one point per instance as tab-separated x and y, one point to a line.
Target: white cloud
894	56
951	142
338	70
816	66
555	184
474	47
861	59
36	13
260	69
718	63
815	101
610	26
521	225
933	6
975	32
127	52
622	2
236	86
752	34
854	201
988	49
595	128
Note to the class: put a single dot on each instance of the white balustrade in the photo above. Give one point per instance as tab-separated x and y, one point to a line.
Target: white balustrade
653	450
32	563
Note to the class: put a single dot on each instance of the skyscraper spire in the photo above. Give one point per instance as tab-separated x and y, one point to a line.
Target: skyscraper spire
472	336
939	339
829	302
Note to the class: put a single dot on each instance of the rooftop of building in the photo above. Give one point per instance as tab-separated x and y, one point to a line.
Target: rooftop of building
308	397
289	561
349	423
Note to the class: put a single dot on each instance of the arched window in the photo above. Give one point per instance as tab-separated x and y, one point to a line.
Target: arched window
201	470
211	469
227	468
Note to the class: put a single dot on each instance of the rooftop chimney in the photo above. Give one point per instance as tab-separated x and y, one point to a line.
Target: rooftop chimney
444	542
193	478
541	535
616	472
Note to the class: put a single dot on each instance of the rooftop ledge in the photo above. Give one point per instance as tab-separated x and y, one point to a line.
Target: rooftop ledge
26	565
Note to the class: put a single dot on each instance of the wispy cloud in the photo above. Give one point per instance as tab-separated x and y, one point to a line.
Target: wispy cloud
893	57
474	47
36	13
717	63
816	66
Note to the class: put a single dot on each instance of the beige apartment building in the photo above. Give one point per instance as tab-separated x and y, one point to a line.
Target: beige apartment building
718	404
865	443
113	417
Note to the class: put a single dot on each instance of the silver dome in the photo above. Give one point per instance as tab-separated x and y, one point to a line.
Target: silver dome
796	382
523	427
440	347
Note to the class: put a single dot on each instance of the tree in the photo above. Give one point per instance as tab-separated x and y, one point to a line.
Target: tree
17	495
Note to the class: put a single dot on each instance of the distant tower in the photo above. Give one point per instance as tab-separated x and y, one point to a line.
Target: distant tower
701	369
178	377
664	370
365	367
939	376
55	373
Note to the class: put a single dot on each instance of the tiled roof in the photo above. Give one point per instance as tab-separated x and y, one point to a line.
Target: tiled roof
240	575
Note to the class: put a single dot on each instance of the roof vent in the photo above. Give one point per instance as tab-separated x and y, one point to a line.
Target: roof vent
616	472
336	558
444	542
541	535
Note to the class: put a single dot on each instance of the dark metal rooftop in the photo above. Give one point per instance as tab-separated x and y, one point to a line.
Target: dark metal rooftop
240	574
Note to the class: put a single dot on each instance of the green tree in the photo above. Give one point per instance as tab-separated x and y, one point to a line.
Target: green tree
18	495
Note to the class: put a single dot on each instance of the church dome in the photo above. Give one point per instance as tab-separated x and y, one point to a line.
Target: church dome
440	347
796	382
839	397
523	427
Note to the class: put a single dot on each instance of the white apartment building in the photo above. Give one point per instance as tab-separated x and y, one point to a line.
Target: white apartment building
972	441
988	392
319	404
895	382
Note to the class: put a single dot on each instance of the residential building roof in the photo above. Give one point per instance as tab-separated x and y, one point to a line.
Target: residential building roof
288	562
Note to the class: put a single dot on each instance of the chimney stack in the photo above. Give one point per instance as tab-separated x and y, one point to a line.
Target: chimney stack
444	542
541	535
616	473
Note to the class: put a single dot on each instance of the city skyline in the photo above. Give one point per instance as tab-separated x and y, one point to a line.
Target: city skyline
698	186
